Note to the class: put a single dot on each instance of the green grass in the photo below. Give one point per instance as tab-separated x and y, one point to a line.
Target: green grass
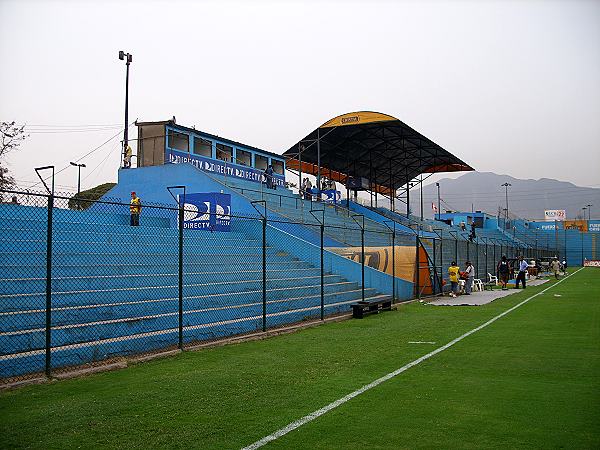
529	380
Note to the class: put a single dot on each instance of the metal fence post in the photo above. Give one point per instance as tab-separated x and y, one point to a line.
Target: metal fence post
362	259
264	273
394	264
418	267
322	273
48	363
181	276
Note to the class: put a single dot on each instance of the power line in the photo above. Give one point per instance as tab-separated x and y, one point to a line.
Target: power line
87	154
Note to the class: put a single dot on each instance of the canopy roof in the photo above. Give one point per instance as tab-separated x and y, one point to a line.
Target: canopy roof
374	146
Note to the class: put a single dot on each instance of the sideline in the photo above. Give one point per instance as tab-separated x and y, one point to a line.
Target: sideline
312	416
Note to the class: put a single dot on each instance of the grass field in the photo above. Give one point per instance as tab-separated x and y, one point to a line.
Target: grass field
529	380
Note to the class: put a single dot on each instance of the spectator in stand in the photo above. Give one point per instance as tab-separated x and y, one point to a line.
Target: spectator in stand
523	266
135	208
472	235
14	200
503	272
555	266
453	273
469	277
307	190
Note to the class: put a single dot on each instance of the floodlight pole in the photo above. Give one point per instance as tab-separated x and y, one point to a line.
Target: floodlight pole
589	208
128	58
506	185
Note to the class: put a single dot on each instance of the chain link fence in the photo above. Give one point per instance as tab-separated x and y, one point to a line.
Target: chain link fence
81	284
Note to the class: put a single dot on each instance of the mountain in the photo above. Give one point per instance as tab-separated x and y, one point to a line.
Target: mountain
482	191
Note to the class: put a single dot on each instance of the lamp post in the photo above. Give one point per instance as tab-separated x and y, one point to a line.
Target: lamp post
127	57
438	190
79	166
589	208
506	185
583	209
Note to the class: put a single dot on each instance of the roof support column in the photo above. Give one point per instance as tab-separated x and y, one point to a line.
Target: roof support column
300	148
391	189
319	162
407	199
421	188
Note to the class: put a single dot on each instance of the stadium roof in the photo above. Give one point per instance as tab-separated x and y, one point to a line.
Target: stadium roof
374	146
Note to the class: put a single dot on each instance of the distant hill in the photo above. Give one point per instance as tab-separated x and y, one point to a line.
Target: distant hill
482	191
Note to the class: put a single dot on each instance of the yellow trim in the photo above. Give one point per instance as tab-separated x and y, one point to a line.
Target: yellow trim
356	118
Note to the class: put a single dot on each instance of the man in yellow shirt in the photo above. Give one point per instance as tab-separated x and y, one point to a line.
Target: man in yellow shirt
453	272
135	208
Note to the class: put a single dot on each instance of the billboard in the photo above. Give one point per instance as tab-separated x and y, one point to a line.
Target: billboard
594	226
210	211
219	167
555	214
580	225
591	263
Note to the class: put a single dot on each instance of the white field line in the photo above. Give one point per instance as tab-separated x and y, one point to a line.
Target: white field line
312	416
421	342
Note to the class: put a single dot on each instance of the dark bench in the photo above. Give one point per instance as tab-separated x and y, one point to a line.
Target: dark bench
361	309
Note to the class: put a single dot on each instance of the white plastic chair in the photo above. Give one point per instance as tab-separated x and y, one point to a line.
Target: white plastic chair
478	284
493	279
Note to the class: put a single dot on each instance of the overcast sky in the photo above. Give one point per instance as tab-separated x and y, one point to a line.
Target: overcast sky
509	87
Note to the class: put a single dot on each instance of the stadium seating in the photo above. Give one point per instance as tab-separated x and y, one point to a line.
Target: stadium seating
115	287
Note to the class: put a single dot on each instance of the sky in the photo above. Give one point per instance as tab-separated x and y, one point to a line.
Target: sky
509	87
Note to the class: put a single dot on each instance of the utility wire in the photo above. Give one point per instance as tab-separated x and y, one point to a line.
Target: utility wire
87	154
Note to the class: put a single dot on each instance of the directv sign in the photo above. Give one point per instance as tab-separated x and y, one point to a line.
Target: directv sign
219	167
209	211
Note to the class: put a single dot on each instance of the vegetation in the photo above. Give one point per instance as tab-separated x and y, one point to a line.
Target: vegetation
85	199
529	380
11	137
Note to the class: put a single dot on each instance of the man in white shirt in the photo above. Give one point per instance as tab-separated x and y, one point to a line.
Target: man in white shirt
523	266
470	273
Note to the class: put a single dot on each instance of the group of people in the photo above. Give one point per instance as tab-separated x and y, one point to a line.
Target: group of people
306	187
503	270
455	275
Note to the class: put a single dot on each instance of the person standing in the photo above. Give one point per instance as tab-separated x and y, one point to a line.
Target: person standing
564	266
503	272
523	266
453	271
469	277
308	191
269	177
135	208
555	266
127	158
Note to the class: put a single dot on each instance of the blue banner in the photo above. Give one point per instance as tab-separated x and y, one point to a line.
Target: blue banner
209	211
223	168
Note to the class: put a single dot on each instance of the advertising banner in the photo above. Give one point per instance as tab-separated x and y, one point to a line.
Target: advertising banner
555	214
591	263
210	211
221	167
594	226
331	196
580	225
380	258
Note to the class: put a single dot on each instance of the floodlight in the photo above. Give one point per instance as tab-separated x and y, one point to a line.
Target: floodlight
121	55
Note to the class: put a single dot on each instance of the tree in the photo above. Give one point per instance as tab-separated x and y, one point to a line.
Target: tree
85	199
11	137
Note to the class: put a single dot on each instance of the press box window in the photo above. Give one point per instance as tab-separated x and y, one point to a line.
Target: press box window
277	166
224	152
260	162
203	147
243	158
179	141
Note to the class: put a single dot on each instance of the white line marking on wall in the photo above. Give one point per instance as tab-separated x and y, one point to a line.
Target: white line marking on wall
318	413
